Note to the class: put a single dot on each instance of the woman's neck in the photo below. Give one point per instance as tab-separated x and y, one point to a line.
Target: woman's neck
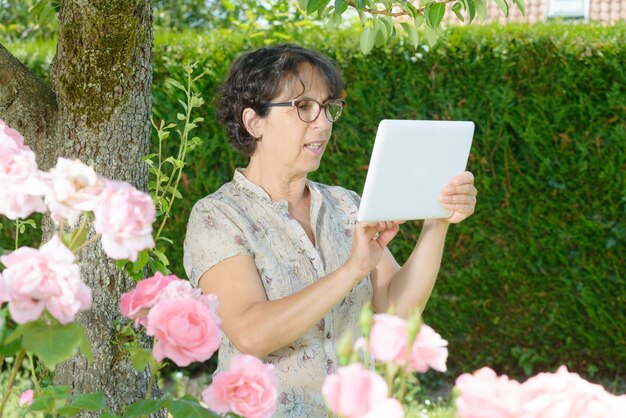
278	184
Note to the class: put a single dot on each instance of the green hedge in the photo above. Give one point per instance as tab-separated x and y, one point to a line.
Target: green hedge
535	278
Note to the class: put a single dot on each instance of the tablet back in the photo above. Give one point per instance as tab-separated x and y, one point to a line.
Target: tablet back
411	162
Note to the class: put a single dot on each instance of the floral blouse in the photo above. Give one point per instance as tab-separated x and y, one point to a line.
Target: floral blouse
241	219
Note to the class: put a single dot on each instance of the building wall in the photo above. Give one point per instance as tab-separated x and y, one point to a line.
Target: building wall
604	11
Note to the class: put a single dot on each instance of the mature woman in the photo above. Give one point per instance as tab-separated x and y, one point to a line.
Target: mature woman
284	255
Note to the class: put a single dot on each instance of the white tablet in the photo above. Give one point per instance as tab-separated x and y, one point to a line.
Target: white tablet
411	162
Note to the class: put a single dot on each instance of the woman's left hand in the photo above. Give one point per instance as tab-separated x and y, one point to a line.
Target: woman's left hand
459	196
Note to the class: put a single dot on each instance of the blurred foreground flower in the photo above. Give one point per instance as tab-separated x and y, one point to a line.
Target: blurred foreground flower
34	280
21	186
248	388
389	339
355	392
26	398
555	395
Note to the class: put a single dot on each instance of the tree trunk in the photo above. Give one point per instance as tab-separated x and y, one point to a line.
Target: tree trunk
102	76
27	104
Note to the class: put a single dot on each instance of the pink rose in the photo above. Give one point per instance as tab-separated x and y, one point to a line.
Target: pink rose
21	186
388	343
45	278
186	330
136	303
485	395
248	388
389	408
26	398
10	138
564	395
74	188
354	391
124	217
429	350
388	339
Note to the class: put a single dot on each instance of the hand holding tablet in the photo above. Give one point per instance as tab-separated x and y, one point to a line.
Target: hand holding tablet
412	161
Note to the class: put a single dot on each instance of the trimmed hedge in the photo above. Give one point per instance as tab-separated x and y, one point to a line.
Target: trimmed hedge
535	278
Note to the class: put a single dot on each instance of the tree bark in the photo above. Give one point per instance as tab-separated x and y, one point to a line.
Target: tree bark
102	75
27	104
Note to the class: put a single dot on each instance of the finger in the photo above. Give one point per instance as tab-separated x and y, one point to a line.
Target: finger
366	229
463	209
387	235
468	189
462	178
458	199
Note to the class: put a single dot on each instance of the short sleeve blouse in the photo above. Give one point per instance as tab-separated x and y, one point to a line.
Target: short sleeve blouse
241	219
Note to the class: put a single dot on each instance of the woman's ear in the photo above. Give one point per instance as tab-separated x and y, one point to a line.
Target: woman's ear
252	122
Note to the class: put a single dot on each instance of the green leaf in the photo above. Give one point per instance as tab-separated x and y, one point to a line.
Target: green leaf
504	6
315	5
435	14
180	116
8	346
481	9
521	5
367	40
183	104
411	33
140	357
381	32
189	408
120	264
145	407
158	253
55	343
142	260
175	84
169	241
431	36
471	8
457	11
84	402
341	6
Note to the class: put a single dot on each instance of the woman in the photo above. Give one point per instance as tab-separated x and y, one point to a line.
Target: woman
283	254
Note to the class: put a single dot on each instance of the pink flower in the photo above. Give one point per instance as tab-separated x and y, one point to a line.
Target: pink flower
124	217
10	138
26	398
248	388
389	408
485	395
564	395
388	339
354	392
388	343
136	303
45	278
21	186
429	350
186	330
74	188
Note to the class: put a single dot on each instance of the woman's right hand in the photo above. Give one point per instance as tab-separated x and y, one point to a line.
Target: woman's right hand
368	245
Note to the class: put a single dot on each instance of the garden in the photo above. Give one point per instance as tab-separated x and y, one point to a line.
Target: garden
526	315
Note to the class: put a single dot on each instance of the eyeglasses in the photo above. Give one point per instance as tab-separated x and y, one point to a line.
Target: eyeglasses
309	109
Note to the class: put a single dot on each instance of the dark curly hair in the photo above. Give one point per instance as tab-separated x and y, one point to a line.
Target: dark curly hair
260	76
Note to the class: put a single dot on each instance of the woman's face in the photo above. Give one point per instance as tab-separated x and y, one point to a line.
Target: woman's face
285	141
